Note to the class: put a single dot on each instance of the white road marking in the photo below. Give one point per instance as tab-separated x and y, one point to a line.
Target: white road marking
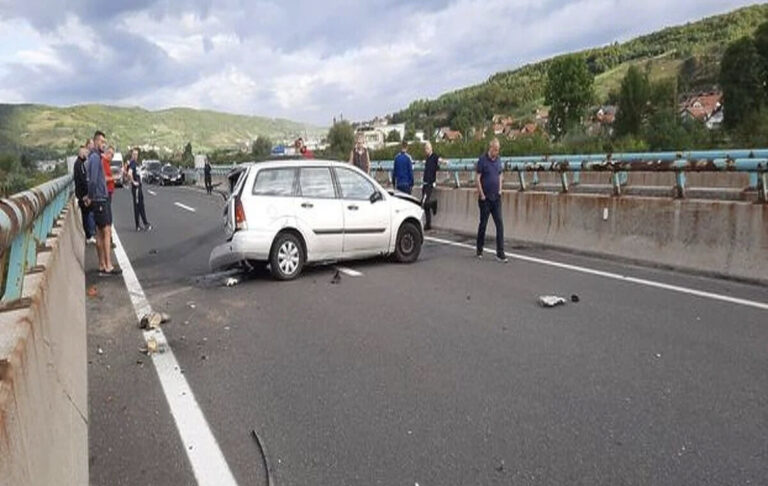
152	192
615	276
208	463
184	206
349	272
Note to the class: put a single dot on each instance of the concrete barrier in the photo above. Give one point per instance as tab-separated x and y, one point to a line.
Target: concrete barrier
43	368
724	238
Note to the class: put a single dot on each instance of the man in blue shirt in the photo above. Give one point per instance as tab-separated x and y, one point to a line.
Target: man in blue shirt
98	200
402	173
490	178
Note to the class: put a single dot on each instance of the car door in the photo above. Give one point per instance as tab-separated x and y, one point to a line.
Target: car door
366	223
319	213
237	180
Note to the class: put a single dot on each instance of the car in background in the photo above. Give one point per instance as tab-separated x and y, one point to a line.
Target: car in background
292	213
150	171
118	171
171	176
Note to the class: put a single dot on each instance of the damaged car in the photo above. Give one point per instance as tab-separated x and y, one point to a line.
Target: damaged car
295	213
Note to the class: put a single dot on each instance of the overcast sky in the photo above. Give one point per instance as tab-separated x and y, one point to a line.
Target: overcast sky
303	60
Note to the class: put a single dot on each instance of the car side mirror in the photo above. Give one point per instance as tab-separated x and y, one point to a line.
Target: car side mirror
376	196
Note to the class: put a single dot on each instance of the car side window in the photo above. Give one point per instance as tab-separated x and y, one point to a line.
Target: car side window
275	182
316	182
354	185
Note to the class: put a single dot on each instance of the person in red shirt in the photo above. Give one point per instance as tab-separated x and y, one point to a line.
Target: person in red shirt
106	161
303	150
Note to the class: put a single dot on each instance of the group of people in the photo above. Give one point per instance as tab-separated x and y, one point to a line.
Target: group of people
489	181
94	187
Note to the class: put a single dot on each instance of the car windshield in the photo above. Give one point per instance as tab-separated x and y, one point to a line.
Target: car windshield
169	169
153	166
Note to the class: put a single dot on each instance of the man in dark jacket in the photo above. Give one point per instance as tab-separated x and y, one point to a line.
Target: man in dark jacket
81	193
136	192
402	173
207	175
431	165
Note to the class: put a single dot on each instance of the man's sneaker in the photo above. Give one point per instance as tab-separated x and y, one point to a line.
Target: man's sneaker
479	255
138	229
502	259
149	227
91	241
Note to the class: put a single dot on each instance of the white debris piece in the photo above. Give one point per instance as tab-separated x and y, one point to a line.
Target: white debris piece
550	300
231	282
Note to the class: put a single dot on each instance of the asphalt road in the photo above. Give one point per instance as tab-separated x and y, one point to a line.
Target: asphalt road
444	372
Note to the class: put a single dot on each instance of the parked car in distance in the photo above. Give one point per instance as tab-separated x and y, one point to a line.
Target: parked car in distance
150	171
292	213
118	172
171	176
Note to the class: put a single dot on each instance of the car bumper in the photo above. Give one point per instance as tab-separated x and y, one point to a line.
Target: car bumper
244	245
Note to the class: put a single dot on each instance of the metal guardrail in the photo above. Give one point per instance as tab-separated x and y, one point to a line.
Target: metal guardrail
26	219
753	162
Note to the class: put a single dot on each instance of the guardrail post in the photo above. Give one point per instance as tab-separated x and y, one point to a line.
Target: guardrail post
679	184
456	179
535	180
623	177
754	180
616	183
17	259
762	187
521	176
564	180
576	178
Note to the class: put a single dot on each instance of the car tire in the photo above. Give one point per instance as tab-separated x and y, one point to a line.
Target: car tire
287	257
408	243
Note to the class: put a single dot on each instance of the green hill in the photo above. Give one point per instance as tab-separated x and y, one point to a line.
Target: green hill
691	51
45	129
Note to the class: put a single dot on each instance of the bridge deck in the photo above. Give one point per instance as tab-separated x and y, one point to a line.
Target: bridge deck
441	372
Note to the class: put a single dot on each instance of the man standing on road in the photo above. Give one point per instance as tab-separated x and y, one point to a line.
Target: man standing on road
98	198
489	183
207	176
402	173
359	156
136	191
431	165
81	193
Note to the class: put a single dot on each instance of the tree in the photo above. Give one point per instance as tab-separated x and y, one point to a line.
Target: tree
261	148
187	158
341	139
393	136
634	95
569	92
410	134
742	73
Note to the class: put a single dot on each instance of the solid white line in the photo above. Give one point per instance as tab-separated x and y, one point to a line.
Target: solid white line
152	192
208	463
616	276
184	206
349	272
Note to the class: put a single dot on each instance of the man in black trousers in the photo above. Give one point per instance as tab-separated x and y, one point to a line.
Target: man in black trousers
136	192
81	193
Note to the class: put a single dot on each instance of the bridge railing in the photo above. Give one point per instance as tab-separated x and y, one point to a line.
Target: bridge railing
753	162
26	219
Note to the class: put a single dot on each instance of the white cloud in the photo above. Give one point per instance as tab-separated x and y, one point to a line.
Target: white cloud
312	60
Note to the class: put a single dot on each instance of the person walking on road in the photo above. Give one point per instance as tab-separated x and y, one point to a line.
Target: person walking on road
98	199
431	166
134	178
489	183
359	157
402	173
81	193
207	176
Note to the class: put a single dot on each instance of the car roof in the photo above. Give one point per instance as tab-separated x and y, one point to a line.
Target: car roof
273	163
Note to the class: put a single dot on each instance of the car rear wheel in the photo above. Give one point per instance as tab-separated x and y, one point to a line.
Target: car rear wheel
287	257
408	244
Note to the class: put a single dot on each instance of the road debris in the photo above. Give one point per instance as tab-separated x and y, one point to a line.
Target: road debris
500	467
93	291
191	305
153	346
153	320
231	282
550	300
153	252
575	298
336	278
99	350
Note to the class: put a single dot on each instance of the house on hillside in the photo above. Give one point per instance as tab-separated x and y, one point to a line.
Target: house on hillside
529	129
376	133
541	117
445	134
606	115
704	107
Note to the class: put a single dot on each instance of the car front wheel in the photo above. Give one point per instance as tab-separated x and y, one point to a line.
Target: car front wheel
408	244
287	257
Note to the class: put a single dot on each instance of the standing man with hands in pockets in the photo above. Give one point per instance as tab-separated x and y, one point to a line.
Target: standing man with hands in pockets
489	182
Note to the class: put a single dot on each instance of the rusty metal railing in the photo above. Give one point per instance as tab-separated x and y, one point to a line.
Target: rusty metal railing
753	162
26	219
